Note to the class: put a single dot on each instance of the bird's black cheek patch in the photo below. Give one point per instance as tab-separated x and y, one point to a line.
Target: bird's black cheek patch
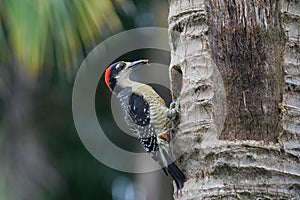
113	81
139	110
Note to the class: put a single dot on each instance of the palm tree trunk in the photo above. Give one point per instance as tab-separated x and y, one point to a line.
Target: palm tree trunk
235	69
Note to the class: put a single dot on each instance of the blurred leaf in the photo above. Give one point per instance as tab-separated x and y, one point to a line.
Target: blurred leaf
34	32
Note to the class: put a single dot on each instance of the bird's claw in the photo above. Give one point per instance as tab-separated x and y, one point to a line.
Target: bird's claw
174	109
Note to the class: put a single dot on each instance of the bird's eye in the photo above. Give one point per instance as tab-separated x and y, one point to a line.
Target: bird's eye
120	66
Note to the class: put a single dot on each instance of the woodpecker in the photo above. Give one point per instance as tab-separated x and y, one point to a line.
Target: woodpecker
146	114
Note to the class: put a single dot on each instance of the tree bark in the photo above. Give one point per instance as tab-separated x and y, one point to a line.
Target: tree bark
235	69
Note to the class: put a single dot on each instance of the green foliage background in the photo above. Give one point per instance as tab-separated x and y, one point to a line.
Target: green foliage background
42	43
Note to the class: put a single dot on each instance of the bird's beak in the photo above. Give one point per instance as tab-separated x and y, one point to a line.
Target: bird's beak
137	63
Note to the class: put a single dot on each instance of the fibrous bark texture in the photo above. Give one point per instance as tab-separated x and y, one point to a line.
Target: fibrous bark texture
235	70
247	43
290	137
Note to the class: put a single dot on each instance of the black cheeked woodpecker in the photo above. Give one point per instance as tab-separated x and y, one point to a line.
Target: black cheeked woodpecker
146	114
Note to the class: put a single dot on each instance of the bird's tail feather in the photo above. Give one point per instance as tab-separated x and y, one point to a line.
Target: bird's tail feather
177	175
173	170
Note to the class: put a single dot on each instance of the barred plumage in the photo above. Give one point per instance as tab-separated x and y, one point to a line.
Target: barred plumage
146	114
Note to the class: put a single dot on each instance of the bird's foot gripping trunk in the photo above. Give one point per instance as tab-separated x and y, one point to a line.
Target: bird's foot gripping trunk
174	110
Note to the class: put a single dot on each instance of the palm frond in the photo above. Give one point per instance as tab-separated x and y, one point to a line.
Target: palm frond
36	32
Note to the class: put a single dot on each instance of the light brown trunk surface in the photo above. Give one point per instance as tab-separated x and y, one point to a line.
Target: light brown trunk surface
239	138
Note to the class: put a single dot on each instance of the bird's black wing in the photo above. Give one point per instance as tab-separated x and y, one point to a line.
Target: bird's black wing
139	110
137	115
